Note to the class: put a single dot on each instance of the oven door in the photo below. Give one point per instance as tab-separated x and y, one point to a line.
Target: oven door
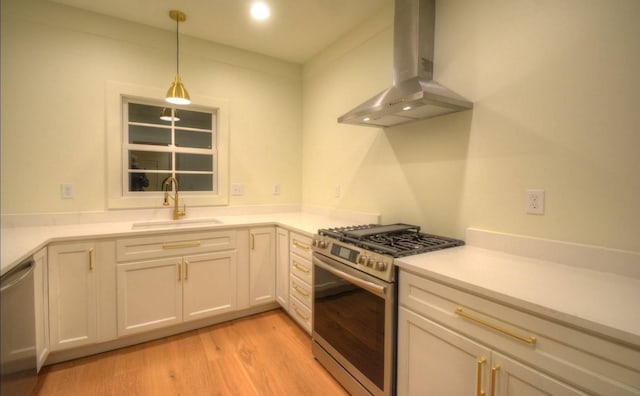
353	326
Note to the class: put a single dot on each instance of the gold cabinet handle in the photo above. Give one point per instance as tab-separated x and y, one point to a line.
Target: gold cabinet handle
179	245
299	290
179	272
300	314
91	259
253	242
186	270
302	246
481	362
494	373
301	268
531	340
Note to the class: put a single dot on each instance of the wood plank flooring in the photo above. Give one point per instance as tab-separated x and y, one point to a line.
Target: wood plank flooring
264	354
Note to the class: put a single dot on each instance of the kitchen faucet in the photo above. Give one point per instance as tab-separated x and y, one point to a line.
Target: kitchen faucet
166	184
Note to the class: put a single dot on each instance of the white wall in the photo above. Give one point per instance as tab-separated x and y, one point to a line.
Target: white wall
56	61
555	86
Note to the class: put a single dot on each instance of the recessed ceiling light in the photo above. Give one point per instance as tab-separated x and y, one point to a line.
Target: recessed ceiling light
260	11
366	119
405	108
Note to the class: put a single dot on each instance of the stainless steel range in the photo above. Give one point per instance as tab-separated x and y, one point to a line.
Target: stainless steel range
354	300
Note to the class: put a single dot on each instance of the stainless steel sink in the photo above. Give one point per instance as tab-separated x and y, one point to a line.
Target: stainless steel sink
175	223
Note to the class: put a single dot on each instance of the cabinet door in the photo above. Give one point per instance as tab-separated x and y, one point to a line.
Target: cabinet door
72	295
433	360
149	295
282	267
41	293
512	378
262	265
209	284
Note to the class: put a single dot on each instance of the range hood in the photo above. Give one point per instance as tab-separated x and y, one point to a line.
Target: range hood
414	95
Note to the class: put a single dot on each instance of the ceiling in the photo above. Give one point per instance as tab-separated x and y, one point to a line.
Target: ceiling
296	31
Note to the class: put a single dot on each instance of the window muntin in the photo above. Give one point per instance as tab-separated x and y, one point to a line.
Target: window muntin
156	149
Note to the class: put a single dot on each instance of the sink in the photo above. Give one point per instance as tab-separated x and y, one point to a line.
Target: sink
175	223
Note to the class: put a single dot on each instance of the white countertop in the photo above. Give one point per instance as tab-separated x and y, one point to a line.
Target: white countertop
596	300
19	243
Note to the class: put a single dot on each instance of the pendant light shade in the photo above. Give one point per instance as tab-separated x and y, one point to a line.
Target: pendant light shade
177	93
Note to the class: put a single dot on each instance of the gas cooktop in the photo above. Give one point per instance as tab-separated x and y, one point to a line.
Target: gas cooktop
396	240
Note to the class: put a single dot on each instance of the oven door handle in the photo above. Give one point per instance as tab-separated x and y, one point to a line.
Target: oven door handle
369	286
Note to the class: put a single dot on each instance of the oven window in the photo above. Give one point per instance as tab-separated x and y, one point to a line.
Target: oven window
352	320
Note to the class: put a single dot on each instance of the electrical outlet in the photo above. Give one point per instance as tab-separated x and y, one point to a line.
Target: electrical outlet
67	191
276	189
237	189
535	202
337	191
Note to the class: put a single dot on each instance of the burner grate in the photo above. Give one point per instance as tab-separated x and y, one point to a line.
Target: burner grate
397	240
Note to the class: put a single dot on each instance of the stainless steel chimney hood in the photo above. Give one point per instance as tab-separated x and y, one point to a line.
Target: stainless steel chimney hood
414	94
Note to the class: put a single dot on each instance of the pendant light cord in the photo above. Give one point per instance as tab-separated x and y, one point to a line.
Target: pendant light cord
177	46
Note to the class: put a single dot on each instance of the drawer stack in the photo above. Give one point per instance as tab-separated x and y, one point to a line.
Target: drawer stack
300	302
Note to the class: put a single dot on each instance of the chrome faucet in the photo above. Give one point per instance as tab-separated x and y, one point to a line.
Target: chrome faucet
166	185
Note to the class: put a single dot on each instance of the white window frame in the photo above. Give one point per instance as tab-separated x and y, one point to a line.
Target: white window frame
118	195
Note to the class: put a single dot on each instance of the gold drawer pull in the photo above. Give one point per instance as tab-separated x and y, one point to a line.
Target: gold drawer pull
179	245
531	340
91	259
186	270
300	314
479	391
302	246
494	372
301	268
299	290
179	272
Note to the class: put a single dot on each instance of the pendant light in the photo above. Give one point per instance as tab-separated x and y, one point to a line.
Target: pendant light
177	94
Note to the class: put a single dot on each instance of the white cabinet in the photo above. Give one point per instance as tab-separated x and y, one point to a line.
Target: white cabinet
457	343
435	360
41	294
282	267
73	299
262	265
161	292
301	280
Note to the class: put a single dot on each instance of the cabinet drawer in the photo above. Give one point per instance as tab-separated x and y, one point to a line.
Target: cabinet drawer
177	244
300	313
580	358
301	268
300	245
301	290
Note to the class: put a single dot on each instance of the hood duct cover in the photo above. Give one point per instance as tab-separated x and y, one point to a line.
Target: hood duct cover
414	94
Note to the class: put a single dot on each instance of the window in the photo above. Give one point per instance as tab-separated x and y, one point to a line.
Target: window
143	150
154	149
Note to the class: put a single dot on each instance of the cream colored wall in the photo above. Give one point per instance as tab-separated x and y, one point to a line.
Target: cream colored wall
55	64
555	86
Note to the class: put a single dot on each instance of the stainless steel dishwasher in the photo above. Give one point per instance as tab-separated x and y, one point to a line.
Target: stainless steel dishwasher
18	361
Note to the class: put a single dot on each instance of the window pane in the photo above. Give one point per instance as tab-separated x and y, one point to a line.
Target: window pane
197	182
194	162
194	119
149	135
149	160
193	139
146	181
146	114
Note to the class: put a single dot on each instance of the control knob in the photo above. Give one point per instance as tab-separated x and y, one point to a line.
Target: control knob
381	266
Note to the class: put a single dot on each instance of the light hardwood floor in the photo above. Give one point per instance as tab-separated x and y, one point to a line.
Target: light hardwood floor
264	354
